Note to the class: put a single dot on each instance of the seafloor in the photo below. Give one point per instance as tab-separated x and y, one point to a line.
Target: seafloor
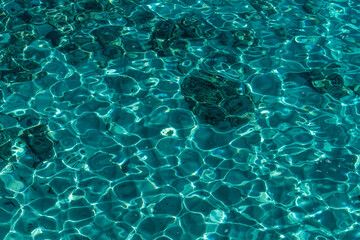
179	119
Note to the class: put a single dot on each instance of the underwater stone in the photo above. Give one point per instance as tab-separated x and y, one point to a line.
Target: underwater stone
210	114
106	35
335	80
25	16
245	38
10	76
77	57
226	38
201	90
208	94
180	46
217	59
161	38
68	48
30	65
237	105
264	7
29	121
55	37
113	51
92	5
196	27
326	80
40	144
164	30
204	93
311	6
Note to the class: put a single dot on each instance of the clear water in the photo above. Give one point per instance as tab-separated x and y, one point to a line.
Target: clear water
179	119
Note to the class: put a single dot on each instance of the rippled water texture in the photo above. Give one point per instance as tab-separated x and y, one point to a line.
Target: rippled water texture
179	119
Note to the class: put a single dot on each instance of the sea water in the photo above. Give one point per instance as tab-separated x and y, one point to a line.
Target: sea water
179	119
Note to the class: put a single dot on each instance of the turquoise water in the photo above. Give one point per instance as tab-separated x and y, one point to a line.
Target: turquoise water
179	119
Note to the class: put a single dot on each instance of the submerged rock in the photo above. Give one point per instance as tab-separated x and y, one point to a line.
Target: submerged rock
54	37
216	100
38	142
312	6
92	6
169	36
113	51
245	38
164	30
106	35
196	27
265	7
327	80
